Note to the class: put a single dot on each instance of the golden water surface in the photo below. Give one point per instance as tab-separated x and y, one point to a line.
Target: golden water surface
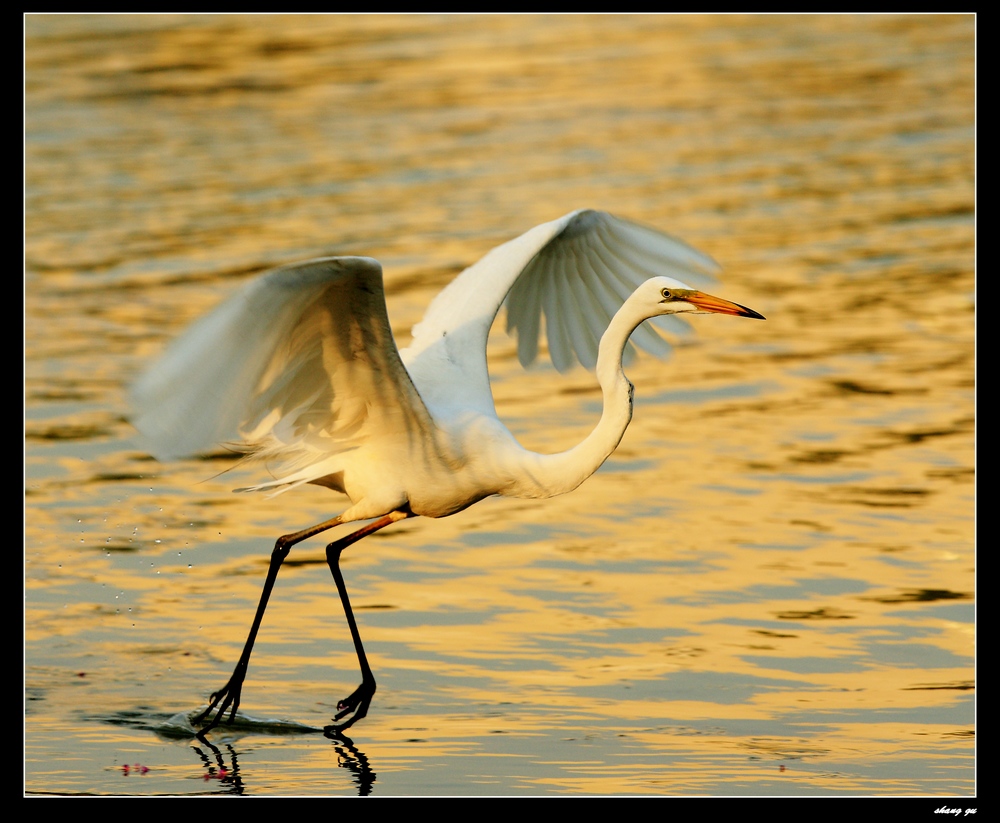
767	590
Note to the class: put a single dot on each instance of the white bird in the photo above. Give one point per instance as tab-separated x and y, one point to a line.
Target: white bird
301	369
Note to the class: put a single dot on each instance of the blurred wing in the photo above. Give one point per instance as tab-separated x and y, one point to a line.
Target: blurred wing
299	365
577	271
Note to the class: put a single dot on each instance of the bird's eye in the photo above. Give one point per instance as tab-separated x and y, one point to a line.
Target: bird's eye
666	294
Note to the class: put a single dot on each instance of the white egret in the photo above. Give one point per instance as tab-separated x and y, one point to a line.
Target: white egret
301	369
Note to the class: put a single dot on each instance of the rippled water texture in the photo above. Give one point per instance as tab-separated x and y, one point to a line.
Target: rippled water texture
768	590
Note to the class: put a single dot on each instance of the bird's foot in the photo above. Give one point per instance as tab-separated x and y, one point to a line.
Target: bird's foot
357	702
226	698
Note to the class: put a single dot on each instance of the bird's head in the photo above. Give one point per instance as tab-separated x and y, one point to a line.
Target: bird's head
664	295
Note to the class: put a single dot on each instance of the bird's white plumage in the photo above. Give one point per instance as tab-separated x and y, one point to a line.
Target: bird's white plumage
300	363
300	367
584	276
577	271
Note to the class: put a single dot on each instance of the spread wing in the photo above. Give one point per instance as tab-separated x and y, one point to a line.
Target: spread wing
576	271
298	366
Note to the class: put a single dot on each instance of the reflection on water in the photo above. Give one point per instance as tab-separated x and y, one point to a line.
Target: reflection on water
769	589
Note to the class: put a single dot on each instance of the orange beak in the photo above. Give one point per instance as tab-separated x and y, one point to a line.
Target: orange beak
717	305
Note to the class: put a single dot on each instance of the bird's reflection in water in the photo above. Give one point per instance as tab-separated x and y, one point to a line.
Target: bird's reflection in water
348	757
228	776
355	761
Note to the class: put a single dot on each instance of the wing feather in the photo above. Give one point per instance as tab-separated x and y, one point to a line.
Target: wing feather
298	366
627	265
524	320
559	314
619	284
576	271
591	309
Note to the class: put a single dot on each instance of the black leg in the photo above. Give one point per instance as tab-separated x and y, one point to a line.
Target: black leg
359	700
229	695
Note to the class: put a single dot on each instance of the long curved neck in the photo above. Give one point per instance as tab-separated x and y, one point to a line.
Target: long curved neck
546	475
